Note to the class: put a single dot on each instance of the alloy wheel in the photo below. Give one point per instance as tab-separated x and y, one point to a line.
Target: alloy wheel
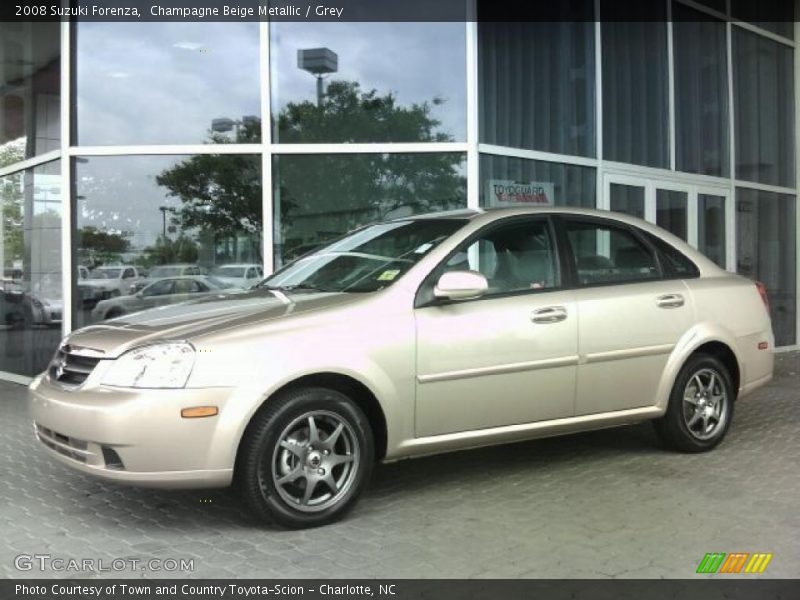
315	461
705	404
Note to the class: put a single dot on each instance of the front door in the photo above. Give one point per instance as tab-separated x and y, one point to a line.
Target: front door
508	357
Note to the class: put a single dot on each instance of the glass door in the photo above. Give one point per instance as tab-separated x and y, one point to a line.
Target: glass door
698	214
625	194
672	210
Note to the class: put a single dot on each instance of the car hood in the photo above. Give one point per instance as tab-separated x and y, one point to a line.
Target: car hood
200	317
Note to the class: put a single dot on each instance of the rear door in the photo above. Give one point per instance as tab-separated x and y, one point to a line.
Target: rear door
632	310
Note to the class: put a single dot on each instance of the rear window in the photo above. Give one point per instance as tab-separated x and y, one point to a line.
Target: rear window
676	264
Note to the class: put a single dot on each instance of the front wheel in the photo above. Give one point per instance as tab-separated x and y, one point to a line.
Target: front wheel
700	406
305	458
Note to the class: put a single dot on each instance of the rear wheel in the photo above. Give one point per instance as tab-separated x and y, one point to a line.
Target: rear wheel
700	406
306	458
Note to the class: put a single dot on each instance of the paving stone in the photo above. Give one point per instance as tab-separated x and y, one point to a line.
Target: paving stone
611	503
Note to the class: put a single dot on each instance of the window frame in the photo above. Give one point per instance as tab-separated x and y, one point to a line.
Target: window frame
426	286
570	270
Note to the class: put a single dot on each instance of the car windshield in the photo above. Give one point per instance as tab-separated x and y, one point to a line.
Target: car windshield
366	260
164	272
229	271
105	273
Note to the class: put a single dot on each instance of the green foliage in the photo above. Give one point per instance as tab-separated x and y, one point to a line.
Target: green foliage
100	247
322	195
11	200
166	251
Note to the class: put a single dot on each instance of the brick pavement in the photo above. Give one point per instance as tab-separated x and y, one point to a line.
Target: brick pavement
602	504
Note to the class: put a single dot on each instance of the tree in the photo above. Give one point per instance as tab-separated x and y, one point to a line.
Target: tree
219	193
166	250
13	239
321	196
101	247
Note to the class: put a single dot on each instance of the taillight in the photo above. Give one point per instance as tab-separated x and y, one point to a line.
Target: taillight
762	290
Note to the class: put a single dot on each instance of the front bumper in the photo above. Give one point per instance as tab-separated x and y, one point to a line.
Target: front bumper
134	436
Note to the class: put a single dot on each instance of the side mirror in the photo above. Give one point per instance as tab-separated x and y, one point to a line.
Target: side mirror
461	285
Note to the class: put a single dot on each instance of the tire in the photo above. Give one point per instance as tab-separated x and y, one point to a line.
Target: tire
700	408
113	314
280	456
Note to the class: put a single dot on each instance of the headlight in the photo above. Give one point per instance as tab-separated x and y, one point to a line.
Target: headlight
166	365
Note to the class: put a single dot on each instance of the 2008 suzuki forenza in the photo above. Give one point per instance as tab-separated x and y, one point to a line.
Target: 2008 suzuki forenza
405	338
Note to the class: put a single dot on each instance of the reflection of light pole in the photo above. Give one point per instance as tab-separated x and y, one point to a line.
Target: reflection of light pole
319	62
225	124
164	210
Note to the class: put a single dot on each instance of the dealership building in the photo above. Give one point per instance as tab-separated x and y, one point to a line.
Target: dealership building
131	152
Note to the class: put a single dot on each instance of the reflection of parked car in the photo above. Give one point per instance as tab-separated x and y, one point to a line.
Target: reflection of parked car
240	276
20	308
162	271
15	308
164	291
46	299
107	282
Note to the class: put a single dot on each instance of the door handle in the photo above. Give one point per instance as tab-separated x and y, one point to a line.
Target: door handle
670	301
550	314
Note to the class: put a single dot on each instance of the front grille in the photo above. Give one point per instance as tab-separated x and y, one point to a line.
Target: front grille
71	368
87	453
71	447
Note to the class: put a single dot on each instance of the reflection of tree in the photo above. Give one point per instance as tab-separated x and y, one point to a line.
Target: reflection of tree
330	194
349	114
12	227
100	247
322	195
166	250
12	152
219	193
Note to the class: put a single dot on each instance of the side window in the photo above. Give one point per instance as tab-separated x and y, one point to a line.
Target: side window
514	257
159	288
675	262
127	274
186	286
608	254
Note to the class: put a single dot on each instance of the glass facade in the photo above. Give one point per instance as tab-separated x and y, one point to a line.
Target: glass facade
505	180
636	91
320	197
763	86
31	300
636	116
766	250
30	90
516	109
711	234
166	83
672	212
368	82
140	219
701	93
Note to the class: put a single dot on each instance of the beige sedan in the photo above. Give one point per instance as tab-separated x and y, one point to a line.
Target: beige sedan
406	338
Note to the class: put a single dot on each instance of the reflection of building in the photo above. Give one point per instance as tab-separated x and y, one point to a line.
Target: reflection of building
689	124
